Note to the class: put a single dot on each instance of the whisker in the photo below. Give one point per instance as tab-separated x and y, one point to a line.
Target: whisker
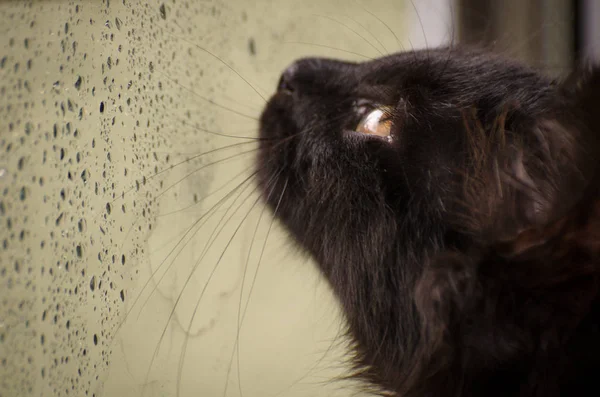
329	48
350	29
220	60
421	24
201	168
316	364
383	23
152	276
209	213
212	102
205	250
241	317
385	50
253	107
213	271
146	178
199	201
262	251
197	128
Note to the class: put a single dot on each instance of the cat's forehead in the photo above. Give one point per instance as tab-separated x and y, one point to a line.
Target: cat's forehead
454	73
450	59
444	64
461	67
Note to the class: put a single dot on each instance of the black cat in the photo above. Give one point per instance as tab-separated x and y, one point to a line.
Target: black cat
450	197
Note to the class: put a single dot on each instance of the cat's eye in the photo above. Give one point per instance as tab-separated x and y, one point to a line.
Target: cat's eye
376	122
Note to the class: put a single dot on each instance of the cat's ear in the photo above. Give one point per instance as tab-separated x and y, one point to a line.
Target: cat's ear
559	165
544	175
528	183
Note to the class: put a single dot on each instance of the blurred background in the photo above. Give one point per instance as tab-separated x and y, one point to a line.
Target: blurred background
135	259
550	34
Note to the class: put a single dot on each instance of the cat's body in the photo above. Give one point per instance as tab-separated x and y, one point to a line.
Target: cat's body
465	246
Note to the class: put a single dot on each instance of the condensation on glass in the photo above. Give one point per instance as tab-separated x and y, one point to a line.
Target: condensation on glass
121	126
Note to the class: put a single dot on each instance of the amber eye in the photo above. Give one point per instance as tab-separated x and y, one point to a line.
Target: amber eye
376	122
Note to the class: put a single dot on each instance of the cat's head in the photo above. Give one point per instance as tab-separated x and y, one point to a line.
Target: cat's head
430	186
420	150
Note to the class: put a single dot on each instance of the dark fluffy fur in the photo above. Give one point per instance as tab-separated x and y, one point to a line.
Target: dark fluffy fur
465	253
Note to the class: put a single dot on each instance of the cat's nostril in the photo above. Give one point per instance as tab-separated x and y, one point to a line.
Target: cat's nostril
287	79
283	85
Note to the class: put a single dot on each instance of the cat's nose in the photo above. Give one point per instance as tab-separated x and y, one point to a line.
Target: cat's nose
287	80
